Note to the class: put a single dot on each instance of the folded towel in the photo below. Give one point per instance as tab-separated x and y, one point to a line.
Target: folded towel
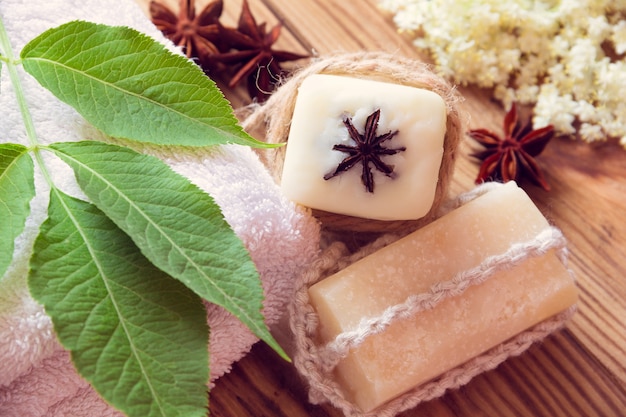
36	376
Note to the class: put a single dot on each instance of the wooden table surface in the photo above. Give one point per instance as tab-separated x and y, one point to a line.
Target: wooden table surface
579	371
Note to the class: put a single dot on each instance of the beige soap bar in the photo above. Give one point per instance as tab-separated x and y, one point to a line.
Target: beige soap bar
323	103
413	351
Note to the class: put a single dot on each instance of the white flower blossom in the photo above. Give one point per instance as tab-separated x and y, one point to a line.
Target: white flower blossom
591	133
564	57
618	37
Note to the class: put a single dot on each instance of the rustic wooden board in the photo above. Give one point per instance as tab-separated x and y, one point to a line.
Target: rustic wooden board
579	371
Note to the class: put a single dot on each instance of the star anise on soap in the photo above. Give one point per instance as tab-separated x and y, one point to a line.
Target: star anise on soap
511	157
251	55
196	34
368	149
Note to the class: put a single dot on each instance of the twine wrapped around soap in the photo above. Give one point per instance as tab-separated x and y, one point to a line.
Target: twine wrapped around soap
316	363
272	121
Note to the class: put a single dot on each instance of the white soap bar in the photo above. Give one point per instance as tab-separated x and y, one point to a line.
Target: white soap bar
323	104
412	351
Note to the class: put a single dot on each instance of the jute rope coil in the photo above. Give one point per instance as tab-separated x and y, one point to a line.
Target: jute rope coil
272	121
316	362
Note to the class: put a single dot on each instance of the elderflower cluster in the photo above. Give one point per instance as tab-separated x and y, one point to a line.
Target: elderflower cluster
567	58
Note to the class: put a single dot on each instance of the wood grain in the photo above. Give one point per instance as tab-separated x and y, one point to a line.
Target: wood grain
579	371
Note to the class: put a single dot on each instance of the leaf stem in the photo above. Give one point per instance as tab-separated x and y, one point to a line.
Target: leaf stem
11	64
6	55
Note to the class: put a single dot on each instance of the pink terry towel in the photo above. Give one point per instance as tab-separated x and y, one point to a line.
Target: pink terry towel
36	376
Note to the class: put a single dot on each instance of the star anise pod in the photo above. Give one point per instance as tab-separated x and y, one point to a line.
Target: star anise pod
512	157
252	56
198	35
368	148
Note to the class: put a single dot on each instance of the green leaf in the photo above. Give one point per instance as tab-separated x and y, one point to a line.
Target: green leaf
17	188
130	86
137	335
177	226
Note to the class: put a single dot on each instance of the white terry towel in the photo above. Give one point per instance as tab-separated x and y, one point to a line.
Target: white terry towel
36	377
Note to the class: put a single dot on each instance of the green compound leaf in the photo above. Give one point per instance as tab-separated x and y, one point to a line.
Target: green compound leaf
177	226
137	335
17	189
130	86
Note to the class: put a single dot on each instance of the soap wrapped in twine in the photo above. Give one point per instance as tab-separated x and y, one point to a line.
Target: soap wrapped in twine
272	121
316	362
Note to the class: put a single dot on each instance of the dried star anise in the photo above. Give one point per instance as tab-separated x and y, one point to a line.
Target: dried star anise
198	35
251	54
368	149
512	157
